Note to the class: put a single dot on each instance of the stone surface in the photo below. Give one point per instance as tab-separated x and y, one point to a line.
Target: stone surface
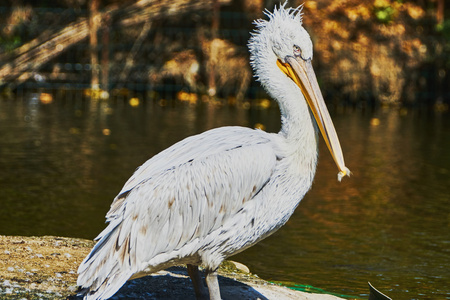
46	268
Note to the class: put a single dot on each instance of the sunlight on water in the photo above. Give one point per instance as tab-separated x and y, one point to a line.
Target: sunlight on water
63	162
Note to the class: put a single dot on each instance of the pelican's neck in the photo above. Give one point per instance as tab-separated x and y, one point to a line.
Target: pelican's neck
297	124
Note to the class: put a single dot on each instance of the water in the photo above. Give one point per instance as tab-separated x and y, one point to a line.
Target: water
62	163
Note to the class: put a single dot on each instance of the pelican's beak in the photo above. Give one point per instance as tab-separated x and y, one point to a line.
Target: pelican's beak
302	73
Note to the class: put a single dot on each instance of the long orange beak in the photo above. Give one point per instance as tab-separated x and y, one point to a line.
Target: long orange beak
302	73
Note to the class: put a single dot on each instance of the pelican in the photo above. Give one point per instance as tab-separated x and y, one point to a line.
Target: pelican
217	193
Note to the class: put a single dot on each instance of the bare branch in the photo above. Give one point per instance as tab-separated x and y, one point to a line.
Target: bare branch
31	56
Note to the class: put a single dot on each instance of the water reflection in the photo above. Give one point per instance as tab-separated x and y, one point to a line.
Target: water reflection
388	224
63	162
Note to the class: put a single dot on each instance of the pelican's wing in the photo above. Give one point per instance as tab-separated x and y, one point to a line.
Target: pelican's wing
199	146
178	196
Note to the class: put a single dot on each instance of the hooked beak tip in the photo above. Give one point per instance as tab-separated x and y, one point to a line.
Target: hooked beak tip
343	173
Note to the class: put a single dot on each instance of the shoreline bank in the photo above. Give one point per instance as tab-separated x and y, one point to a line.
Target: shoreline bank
46	268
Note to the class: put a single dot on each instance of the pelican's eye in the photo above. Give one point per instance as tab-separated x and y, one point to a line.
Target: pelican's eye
297	51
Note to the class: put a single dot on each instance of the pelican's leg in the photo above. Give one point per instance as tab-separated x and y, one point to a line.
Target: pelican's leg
199	288
213	284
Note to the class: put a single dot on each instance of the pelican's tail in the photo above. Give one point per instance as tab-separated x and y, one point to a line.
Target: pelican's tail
103	272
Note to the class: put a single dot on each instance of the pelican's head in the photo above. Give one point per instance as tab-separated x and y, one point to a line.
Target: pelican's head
281	45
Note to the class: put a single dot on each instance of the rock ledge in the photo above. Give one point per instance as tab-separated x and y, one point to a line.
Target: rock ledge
46	268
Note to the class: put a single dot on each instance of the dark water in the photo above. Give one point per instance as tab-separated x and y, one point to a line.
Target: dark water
62	163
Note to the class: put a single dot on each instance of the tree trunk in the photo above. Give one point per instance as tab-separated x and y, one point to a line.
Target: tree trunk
94	23
440	11
105	52
213	52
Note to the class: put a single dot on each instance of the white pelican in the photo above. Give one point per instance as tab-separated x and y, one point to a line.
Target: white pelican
215	194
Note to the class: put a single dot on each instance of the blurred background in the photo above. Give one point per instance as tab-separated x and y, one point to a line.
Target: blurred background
89	90
367	53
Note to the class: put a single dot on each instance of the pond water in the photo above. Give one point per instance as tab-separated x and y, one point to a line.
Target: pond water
62	163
